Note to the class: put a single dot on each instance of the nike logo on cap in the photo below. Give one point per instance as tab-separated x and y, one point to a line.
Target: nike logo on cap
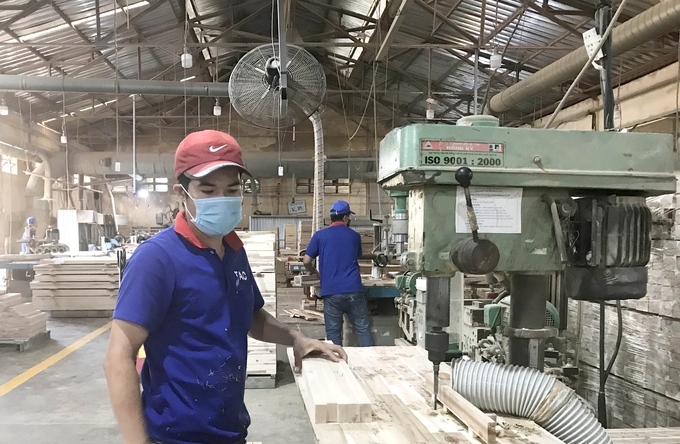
214	150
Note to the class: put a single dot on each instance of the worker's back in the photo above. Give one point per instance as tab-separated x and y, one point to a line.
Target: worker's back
338	248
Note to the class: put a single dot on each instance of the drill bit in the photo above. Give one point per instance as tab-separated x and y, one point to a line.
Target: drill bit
435	389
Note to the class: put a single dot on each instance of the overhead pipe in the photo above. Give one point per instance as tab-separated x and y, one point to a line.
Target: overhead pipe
35	174
42	171
649	25
112	86
261	164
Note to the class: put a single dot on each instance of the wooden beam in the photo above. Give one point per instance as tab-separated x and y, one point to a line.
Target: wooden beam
477	421
393	31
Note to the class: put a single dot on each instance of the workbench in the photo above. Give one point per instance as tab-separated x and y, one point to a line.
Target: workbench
393	379
379	288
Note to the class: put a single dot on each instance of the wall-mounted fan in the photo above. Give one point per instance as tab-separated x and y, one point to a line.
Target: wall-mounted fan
268	96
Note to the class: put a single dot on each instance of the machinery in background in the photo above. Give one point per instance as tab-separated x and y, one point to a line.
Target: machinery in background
50	244
167	217
544	212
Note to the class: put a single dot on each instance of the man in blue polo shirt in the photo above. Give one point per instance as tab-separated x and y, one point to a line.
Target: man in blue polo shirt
188	295
338	247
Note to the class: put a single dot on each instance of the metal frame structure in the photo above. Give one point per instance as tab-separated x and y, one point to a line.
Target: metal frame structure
391	54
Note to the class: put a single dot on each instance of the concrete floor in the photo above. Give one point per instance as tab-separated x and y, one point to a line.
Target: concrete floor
68	402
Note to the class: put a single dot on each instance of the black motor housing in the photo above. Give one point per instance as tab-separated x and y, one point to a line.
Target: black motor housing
608	247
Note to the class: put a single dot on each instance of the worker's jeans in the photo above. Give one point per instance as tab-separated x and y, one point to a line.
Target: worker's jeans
354	305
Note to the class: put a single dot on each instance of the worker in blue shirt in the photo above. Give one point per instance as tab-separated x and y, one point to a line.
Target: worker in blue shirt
188	295
338	247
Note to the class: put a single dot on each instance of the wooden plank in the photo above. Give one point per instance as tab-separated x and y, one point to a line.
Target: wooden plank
75	293
81	314
477	421
74	303
331	392
66	286
306	280
659	435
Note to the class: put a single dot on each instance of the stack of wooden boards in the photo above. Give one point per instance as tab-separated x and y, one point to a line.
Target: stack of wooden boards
19	320
331	393
290	236
261	247
76	286
644	387
367	239
304	234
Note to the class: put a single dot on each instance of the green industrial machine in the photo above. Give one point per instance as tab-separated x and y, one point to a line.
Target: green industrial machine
526	206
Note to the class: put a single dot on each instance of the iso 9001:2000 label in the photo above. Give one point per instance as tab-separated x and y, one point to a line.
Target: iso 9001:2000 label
472	154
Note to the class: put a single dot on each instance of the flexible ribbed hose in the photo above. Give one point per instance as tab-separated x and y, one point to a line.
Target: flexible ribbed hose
317	212
528	393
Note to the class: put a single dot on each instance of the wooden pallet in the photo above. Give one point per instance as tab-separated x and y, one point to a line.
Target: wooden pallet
20	320
22	345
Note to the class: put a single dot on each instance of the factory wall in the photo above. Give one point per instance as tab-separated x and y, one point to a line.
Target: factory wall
644	388
273	198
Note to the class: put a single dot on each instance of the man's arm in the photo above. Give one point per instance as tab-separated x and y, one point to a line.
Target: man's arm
266	328
308	262
121	375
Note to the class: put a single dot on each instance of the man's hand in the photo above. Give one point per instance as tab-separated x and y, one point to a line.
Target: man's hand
304	346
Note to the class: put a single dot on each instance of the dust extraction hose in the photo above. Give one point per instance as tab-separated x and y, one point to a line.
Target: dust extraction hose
528	393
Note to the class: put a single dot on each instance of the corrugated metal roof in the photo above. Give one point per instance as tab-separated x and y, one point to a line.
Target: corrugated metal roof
536	38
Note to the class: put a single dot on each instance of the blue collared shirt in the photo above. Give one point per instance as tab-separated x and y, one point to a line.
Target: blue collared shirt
198	310
338	248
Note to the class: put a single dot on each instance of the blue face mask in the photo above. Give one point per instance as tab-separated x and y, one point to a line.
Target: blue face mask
217	216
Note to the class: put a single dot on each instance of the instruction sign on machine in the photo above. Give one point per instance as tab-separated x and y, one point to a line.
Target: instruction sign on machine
498	210
470	154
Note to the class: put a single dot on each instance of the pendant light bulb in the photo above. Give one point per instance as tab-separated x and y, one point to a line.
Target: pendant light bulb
429	114
63	138
4	110
496	60
217	109
186	59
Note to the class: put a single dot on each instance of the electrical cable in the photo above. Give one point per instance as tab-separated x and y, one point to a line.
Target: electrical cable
606	34
677	105
619	337
507	45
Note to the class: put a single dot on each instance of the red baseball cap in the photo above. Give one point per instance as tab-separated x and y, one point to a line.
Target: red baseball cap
203	152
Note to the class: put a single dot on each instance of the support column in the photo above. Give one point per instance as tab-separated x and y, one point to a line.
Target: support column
527	331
